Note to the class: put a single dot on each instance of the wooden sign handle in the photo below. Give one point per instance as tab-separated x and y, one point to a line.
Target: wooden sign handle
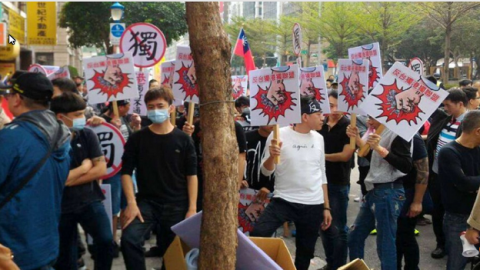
115	108
366	148
173	116
191	111
276	135
353	123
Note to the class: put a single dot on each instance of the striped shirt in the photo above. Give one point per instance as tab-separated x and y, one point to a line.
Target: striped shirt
447	135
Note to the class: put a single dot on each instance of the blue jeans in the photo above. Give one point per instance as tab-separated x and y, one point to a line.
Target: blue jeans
153	213
334	239
382	205
95	222
115	183
453	225
407	245
307	219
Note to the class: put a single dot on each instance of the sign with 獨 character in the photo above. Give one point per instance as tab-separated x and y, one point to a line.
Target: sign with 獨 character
403	100
239	86
184	80
274	96
42	23
416	64
167	70
353	84
145	42
371	52
110	77
312	84
137	105
111	142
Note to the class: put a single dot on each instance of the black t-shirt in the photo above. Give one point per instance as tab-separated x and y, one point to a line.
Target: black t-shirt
162	164
84	145
459	176
419	152
255	149
335	140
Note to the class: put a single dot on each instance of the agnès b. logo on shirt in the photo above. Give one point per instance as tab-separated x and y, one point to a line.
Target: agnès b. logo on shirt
298	147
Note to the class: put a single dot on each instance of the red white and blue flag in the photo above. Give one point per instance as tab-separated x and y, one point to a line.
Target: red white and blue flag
242	49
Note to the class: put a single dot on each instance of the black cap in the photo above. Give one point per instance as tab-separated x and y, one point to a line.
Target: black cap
119	103
35	86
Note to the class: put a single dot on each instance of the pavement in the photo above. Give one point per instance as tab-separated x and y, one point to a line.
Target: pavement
426	241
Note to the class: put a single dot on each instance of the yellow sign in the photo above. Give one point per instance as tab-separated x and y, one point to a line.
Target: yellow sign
7	68
42	23
16	24
9	52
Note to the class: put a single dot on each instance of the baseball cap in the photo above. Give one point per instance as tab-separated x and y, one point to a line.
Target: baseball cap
35	86
310	106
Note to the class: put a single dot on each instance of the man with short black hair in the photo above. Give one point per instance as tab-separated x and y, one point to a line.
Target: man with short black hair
34	148
82	200
61	85
465	83
166	168
301	193
473	97
459	176
242	103
444	129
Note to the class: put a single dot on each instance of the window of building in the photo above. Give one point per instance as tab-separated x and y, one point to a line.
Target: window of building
44	59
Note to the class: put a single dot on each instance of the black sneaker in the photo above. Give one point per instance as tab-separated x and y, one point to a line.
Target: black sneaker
438	253
116	250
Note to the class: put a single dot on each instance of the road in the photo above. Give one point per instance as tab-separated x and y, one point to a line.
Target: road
426	241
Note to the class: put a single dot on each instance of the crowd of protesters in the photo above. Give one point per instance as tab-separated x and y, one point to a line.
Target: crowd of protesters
50	166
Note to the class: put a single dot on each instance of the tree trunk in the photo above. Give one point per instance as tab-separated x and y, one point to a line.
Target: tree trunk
211	53
448	34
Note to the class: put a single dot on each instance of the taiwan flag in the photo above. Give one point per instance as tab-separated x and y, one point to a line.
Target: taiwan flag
242	49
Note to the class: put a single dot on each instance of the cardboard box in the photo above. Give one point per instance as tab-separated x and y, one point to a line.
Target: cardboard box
357	264
275	248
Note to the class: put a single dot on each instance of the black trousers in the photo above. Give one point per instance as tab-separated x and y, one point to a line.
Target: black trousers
361	181
438	209
307	219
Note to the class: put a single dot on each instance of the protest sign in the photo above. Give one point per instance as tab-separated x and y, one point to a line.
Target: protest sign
185	81
403	100
371	52
145	42
110	77
297	42
274	96
138	105
416	64
52	72
62	72
312	84
249	209
167	70
239	85
352	84
36	68
111	142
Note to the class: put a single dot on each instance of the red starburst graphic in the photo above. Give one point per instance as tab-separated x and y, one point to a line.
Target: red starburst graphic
243	219
352	99
188	87
373	76
271	110
106	87
237	94
166	81
389	108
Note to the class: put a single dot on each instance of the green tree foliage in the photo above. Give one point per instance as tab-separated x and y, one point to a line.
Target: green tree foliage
88	23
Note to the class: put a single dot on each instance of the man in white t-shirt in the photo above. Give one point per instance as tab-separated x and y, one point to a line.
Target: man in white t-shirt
301	193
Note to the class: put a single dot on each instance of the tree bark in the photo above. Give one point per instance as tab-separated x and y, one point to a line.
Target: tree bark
448	36
211	53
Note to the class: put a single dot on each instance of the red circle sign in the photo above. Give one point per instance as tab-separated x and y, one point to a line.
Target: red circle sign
145	42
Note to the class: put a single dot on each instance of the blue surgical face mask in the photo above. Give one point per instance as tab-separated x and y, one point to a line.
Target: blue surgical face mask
158	116
78	123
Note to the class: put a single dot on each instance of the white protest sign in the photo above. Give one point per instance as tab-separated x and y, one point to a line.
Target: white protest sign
416	64
403	100
275	96
36	68
62	72
111	142
167	70
297	39
137	105
371	52
185	81
110	77
239	85
145	42
352	85
249	209
312	84
107	204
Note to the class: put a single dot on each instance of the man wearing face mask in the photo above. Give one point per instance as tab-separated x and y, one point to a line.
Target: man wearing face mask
165	162
82	198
